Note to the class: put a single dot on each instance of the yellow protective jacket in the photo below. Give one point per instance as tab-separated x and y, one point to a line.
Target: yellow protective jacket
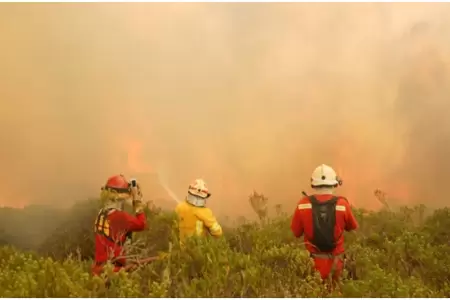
196	221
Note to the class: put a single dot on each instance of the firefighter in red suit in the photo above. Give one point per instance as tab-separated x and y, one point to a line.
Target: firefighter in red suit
114	226
322	218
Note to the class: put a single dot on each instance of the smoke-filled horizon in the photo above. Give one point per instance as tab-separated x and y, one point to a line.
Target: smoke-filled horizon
246	96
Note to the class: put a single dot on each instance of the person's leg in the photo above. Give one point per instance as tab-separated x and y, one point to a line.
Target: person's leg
323	266
97	269
330	270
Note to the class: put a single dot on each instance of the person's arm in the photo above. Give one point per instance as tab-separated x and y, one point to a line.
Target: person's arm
139	221
134	223
297	223
210	221
350	220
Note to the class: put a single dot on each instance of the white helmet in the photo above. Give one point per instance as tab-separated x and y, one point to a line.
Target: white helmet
324	176
198	193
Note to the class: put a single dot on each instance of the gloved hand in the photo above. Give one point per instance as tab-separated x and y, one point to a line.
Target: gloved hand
138	206
136	192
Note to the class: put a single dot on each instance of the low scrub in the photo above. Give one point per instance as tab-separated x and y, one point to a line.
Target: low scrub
394	254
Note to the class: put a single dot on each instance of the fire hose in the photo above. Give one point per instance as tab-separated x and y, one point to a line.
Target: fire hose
133	264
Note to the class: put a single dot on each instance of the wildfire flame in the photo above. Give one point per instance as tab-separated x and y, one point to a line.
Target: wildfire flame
135	162
362	177
14	202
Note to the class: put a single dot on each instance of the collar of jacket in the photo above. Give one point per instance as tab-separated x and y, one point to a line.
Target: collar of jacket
195	201
113	205
324	191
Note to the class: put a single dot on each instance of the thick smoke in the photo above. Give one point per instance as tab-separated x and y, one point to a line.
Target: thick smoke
244	95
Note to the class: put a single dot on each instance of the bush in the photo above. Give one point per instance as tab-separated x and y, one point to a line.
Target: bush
394	254
74	234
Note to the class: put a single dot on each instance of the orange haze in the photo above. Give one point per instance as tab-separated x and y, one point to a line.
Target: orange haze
244	95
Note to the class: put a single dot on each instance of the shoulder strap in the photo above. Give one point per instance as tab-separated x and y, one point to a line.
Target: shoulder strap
334	199
313	199
106	211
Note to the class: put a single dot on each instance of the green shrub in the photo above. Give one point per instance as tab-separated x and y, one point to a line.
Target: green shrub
394	254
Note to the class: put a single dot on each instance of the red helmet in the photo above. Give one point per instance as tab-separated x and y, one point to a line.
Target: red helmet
118	183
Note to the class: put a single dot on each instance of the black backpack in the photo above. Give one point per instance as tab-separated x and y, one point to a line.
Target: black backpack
324	220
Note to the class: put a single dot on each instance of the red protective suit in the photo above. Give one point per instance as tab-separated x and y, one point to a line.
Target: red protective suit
302	223
112	228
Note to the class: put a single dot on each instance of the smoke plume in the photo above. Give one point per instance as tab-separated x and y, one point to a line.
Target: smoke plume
246	96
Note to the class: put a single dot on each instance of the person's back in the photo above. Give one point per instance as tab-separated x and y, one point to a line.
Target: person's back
113	226
343	221
193	217
323	218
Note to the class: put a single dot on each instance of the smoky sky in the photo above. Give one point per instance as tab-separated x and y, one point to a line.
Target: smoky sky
246	96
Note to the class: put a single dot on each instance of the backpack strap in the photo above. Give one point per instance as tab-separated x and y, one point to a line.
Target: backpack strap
102	227
313	199
334	199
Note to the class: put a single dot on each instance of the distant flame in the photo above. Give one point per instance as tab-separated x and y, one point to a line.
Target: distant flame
135	161
362	177
14	202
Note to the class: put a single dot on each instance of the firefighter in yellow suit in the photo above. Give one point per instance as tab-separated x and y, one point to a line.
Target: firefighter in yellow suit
194	218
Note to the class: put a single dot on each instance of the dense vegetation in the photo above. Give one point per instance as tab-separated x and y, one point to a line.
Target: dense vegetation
46	253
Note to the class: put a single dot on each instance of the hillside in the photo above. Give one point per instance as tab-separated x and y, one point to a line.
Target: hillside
394	254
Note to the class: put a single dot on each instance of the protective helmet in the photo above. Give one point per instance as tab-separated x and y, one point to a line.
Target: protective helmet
198	193
118	183
325	176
